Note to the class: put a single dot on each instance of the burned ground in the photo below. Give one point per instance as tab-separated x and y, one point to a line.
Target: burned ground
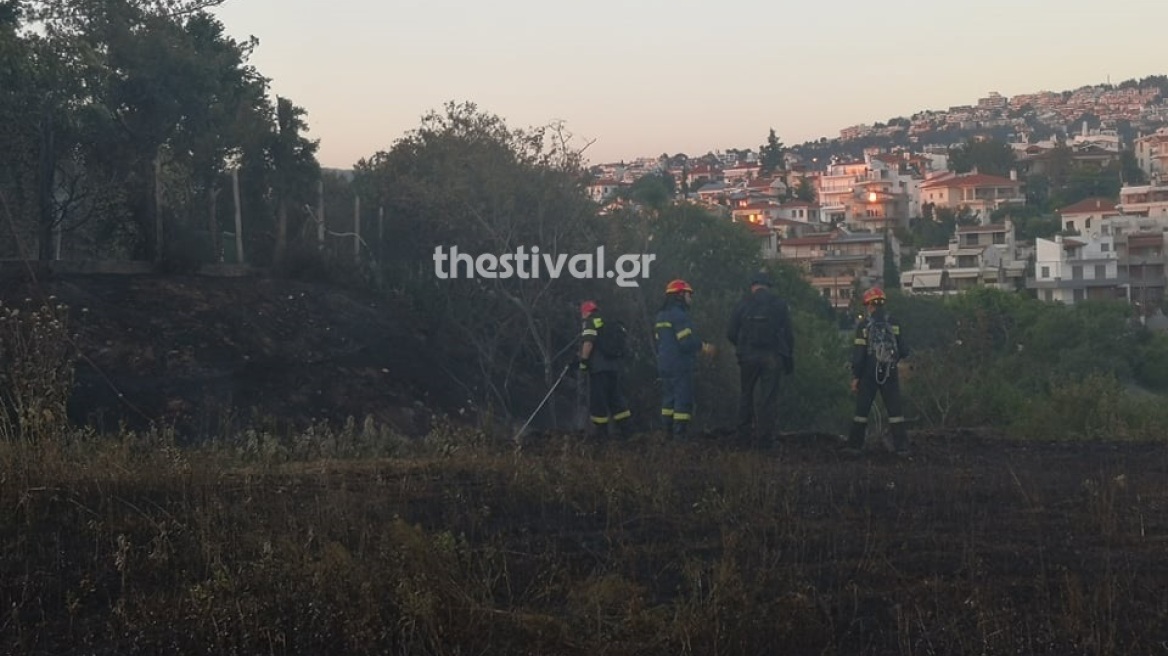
978	545
209	355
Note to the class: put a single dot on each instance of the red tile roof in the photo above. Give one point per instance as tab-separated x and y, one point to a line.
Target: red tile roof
1088	205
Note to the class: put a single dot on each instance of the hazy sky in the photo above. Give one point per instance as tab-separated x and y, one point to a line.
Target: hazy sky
642	77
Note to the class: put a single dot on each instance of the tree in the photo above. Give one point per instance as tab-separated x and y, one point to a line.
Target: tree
891	269
805	191
466	179
654	190
157	77
989	156
292	158
771	154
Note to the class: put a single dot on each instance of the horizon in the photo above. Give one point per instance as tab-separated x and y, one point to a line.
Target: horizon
636	93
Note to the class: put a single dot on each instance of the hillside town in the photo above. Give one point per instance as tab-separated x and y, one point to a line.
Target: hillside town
849	222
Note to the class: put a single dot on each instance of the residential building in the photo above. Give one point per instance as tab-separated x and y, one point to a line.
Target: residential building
1149	200
761	213
604	190
837	261
1086	216
976	256
1074	269
869	195
978	192
1152	153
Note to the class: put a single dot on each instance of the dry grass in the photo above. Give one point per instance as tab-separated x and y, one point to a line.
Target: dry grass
458	544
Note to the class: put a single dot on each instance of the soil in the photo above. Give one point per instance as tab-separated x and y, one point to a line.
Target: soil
205	354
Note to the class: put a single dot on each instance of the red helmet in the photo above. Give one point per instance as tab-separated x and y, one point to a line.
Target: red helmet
678	286
874	295
588	307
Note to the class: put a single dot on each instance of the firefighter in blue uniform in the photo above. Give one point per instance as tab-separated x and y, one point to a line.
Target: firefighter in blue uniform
606	401
677	348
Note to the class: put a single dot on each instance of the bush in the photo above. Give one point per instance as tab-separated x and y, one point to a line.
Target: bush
37	360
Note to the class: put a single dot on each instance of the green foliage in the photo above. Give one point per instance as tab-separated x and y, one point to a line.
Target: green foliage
466	179
805	191
653	190
770	155
988	156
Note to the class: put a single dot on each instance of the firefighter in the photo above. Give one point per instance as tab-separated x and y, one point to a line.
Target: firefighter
760	330
677	348
606	400
874	370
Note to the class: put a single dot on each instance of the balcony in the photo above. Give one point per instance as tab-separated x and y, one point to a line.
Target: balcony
1075	283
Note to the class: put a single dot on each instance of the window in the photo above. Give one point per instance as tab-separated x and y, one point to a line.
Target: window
1077	272
1047	295
1070	226
999	237
1105	247
1046	274
1078	294
1100	271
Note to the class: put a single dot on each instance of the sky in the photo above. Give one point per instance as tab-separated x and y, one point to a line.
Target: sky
633	78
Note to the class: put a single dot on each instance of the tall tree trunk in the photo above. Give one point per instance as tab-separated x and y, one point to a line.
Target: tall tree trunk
213	231
281	250
156	204
45	183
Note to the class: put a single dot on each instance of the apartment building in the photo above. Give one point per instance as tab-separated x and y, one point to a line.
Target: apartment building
1152	153
980	193
1074	269
976	256
1149	200
835	262
870	195
1139	244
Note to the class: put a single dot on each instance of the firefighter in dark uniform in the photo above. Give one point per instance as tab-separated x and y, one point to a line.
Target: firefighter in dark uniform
870	377
677	348
760	330
606	401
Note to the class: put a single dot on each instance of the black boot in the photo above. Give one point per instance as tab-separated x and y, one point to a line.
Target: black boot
621	428
599	432
900	439
856	437
680	430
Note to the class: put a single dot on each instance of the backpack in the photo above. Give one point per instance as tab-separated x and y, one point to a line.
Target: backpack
762	326
882	344
612	340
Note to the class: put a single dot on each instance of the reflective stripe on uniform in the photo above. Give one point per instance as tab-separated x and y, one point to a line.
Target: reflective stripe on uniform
682	334
664	324
666	412
860	341
622	415
682	416
860	420
895	329
600	420
589	333
896	420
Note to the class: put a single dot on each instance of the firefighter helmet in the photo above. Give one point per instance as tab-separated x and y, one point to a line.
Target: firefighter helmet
874	296
588	307
678	286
